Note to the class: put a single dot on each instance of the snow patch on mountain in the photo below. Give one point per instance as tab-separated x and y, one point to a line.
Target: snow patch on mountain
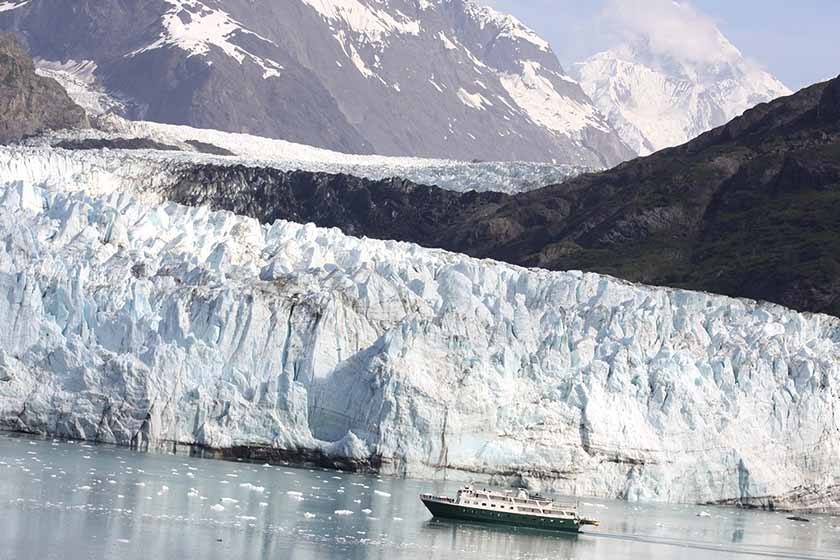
509	26
221	332
194	27
538	97
473	100
372	24
447	42
8	6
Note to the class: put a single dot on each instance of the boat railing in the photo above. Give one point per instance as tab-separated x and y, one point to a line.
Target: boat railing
437	498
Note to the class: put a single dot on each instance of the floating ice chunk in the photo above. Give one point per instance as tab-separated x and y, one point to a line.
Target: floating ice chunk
343	512
252	488
381	493
309	515
704	514
367	511
229	501
263	504
217	507
84	488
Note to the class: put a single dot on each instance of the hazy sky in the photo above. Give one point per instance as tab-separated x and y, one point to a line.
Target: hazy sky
797	40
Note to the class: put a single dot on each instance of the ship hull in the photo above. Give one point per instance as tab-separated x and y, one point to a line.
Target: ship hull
463	513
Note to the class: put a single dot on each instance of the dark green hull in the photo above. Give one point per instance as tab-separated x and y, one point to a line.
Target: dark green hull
455	511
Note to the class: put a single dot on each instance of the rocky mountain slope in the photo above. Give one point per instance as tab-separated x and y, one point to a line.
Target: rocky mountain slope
746	210
658	96
152	324
396	77
30	103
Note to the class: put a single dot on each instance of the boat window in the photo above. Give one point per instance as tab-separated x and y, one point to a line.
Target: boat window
484	503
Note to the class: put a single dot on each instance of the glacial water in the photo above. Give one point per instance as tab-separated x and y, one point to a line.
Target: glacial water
75	501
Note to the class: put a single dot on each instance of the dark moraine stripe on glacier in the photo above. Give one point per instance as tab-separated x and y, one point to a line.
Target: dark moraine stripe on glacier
138	144
746	210
381	209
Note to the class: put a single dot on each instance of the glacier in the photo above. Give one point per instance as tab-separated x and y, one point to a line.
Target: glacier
509	177
135	321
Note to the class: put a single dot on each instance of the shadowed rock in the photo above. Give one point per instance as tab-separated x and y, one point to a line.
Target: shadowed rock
30	103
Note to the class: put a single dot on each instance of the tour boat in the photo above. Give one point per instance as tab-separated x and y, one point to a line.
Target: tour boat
507	508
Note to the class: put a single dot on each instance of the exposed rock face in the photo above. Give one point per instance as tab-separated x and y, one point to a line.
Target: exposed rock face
30	103
142	323
441	78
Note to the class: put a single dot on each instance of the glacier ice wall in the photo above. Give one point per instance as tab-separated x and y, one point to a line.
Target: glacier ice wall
137	322
95	172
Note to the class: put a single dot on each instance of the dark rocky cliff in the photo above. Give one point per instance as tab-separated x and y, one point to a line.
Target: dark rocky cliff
30	103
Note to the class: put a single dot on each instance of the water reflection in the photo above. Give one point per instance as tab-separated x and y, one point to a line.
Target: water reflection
501	540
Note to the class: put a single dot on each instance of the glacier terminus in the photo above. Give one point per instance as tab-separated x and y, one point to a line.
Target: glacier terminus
132	320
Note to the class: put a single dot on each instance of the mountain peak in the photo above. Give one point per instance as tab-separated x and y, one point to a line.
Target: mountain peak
508	25
672	76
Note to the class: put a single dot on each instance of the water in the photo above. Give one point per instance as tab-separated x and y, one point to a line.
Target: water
72	501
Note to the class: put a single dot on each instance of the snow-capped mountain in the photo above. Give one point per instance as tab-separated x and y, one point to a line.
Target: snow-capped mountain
660	93
437	78
140	322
